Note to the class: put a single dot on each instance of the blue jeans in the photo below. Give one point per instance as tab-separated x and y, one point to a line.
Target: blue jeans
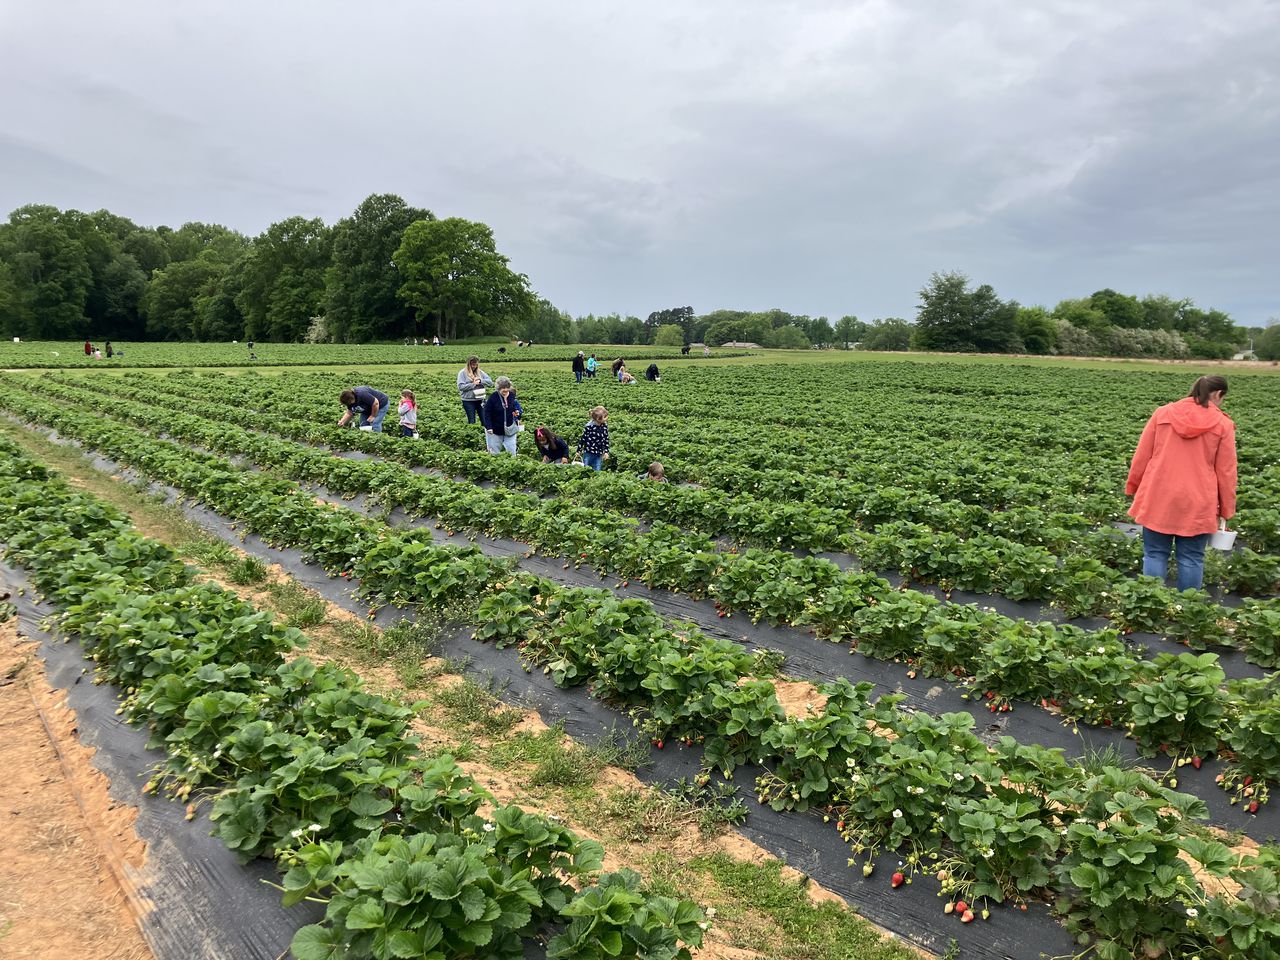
1156	548
406	431
474	410
577	375
376	422
593	460
497	442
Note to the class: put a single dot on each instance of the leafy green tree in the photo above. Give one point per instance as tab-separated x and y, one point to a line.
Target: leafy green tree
681	316
1267	346
669	335
1036	329
546	324
1121	310
171	300
362	285
49	275
1082	314
786	337
849	330
751	328
282	279
954	317
820	332
893	333
452	273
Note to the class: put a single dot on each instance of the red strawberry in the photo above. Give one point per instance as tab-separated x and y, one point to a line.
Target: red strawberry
898	880
1253	807
839	824
1248	781
659	744
961	906
966	917
1195	762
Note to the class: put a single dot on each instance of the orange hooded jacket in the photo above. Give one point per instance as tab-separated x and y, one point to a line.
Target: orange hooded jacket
1183	474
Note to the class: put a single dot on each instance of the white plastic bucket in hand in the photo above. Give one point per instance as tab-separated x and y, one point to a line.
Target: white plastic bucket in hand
1223	540
367	429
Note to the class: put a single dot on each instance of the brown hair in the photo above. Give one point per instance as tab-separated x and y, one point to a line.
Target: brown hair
1201	389
409	394
656	471
347	397
471	360
598	414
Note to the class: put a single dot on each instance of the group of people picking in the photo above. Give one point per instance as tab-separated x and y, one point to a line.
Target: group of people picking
494	404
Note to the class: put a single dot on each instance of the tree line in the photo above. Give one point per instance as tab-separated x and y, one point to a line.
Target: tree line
391	271
387	271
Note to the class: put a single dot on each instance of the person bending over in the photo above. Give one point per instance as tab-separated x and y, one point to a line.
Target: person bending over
368	404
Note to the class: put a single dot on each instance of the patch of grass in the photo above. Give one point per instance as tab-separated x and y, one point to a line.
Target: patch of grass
247	570
653	813
469	703
210	551
310	614
810	931
559	762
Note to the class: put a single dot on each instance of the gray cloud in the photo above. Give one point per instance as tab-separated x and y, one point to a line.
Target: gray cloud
824	157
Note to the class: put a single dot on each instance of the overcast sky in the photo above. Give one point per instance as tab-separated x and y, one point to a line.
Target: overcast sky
822	157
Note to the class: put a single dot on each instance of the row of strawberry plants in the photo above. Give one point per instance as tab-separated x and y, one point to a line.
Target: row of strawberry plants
1172	704
786	589
1110	847
1081	584
303	765
853	525
1022	552
689	685
1064	457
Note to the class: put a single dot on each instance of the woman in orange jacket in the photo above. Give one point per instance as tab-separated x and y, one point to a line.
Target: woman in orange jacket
1183	481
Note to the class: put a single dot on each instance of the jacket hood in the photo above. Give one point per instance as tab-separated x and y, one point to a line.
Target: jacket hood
1189	420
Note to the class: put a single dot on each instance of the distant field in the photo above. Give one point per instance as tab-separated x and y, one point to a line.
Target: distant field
56	354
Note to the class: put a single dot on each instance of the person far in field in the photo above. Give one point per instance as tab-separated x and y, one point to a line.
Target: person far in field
472	383
110	351
408	411
366	403
88	349
502	413
591	367
553	448
656	473
618	367
594	444
579	367
651	374
1183	481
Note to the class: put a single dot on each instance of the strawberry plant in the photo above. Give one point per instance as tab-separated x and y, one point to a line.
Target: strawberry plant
1256	628
615	918
1003	847
1175	704
1254	737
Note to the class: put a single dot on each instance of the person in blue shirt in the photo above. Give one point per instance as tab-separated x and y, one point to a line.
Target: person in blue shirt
369	404
502	412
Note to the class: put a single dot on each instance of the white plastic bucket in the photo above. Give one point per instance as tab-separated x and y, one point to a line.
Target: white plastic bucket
1223	540
368	429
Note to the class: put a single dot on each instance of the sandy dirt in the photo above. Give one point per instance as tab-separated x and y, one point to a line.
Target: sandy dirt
59	896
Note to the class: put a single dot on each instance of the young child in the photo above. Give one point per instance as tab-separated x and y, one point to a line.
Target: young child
595	439
408	411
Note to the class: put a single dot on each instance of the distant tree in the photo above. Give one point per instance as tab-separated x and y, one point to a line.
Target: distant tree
362	286
170	303
954	317
751	328
546	324
1267	346
1036	329
49	275
786	337
669	335
820	332
461	286
1121	310
681	316
282	279
893	333
849	330
1081	314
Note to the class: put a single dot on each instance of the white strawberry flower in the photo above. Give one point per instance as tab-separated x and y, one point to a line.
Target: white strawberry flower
897	814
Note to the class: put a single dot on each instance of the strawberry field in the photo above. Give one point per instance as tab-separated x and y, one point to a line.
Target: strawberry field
1005	717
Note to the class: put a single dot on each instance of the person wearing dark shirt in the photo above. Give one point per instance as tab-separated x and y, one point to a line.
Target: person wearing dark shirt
579	366
595	439
502	412
369	404
651	374
553	448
